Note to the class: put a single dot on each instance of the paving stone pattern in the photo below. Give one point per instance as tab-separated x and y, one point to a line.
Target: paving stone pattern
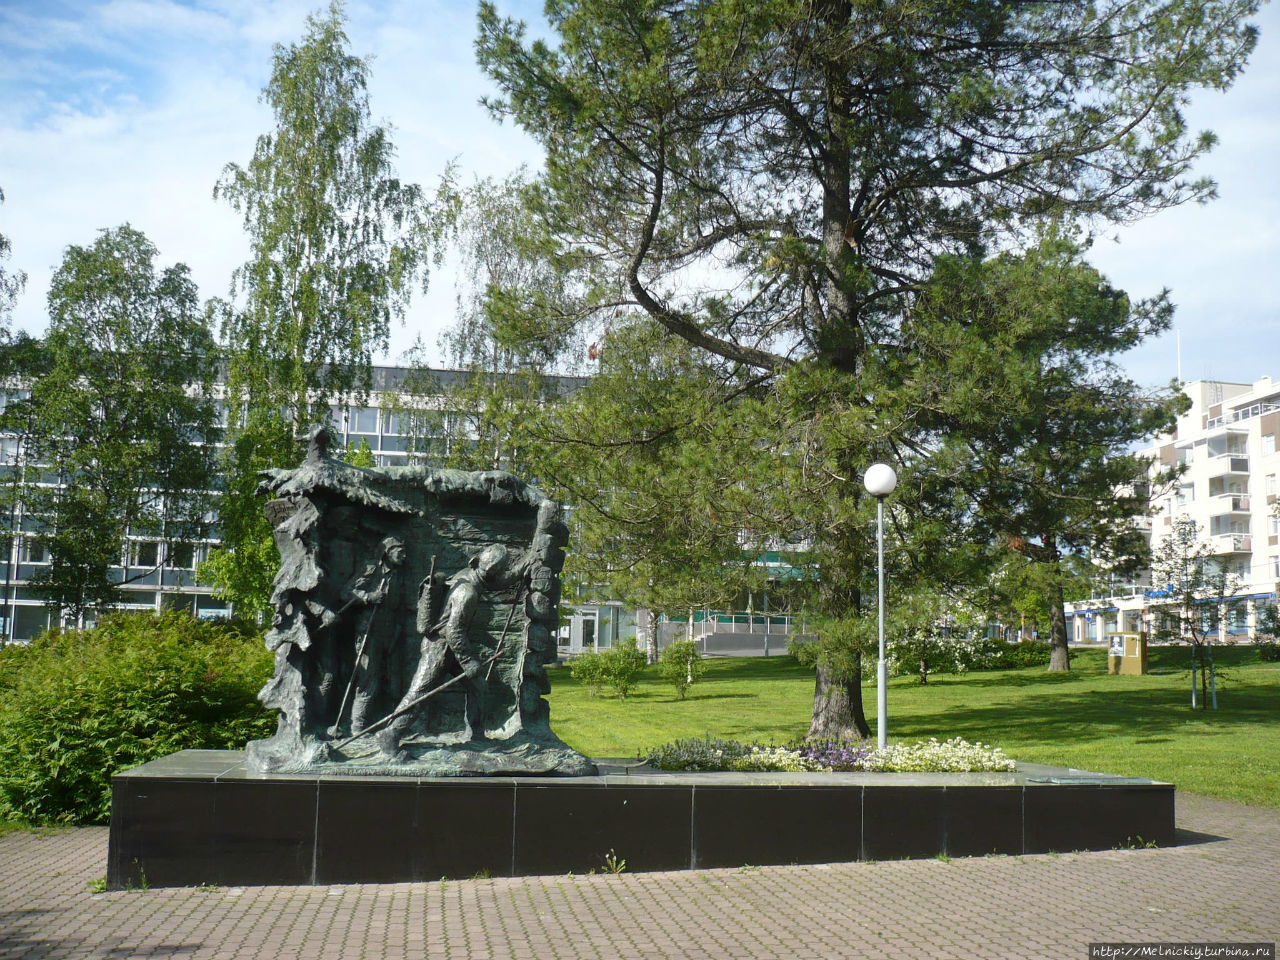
1218	884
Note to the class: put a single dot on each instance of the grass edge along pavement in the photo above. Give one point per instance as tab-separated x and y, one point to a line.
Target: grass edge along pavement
1049	905
1125	725
1139	726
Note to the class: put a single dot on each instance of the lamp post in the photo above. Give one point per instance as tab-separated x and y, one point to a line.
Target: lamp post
880	481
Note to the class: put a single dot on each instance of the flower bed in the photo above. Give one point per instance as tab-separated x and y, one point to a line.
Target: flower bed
923	756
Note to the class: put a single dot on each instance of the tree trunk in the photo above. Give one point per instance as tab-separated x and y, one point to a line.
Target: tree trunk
839	339
647	633
1058	659
837	708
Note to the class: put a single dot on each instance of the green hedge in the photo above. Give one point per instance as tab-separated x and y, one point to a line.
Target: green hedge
1023	653
79	706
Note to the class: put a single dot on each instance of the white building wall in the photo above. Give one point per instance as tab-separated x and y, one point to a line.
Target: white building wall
1228	443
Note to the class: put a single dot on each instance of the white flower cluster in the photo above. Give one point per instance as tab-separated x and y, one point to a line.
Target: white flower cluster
776	759
953	756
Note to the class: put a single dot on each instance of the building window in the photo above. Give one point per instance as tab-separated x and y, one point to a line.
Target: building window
144	554
182	556
1268	443
33	551
363	420
396	424
9	396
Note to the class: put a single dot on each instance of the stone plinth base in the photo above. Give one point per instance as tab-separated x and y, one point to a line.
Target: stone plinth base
202	816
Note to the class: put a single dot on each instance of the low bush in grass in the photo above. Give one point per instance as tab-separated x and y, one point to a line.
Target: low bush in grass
623	663
82	705
588	669
618	668
923	756
1012	656
681	664
1269	651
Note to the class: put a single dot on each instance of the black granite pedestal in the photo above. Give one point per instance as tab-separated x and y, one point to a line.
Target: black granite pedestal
202	816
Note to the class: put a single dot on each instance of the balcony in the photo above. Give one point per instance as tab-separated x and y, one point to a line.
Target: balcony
1245	413
1226	503
1231	543
1120	589
1228	464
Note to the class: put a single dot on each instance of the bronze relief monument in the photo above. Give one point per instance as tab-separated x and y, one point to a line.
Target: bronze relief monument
415	613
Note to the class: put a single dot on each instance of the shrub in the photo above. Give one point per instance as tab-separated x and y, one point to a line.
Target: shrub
82	705
958	655
707	753
1269	651
1024	653
12	656
622	666
588	668
681	665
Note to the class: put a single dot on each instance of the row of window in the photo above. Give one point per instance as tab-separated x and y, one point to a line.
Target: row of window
143	554
375	421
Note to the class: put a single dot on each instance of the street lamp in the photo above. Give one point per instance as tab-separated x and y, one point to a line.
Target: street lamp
880	481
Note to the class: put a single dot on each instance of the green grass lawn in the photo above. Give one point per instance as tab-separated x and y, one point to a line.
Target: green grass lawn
1132	726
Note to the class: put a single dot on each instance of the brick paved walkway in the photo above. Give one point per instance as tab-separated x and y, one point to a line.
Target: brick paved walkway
1220	883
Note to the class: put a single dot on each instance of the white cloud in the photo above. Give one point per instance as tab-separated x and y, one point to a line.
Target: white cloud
160	17
94	154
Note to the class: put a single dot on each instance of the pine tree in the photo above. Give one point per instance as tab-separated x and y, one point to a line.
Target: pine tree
780	184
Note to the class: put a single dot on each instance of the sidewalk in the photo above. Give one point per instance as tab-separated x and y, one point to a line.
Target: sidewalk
1218	884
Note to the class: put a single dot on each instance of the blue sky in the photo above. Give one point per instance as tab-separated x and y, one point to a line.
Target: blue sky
127	110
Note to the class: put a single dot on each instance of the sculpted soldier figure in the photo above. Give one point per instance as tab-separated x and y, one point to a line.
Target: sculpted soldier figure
377	590
446	645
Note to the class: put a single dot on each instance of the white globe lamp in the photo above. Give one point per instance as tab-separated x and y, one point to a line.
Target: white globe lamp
880	479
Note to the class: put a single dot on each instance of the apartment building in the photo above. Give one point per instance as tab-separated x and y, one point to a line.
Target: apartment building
1226	442
150	579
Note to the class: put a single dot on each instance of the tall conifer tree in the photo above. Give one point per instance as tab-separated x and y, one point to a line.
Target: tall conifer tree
778	183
